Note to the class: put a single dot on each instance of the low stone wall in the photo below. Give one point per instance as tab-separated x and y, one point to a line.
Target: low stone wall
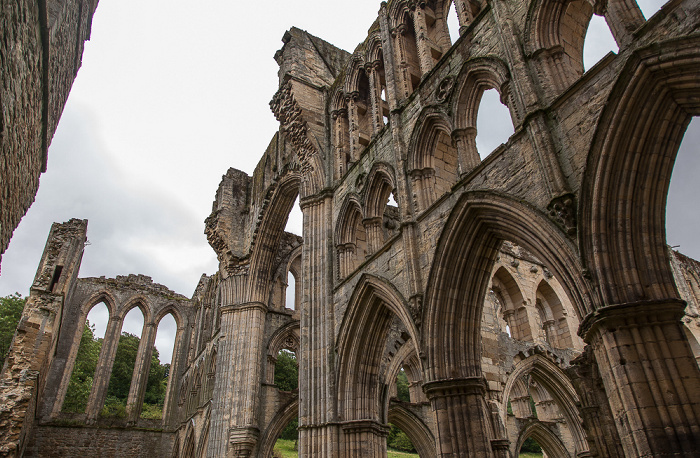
64	441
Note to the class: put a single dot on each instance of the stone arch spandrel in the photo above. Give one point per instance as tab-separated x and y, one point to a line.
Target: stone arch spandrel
415	429
137	301
455	293
623	195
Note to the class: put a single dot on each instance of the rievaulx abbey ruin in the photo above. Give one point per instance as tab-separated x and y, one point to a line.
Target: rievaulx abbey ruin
529	294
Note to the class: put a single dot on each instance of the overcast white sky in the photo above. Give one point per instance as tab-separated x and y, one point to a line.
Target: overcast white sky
170	95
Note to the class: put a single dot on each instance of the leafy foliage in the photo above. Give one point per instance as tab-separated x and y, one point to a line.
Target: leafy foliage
81	379
398	440
286	371
290	431
10	313
402	387
530	445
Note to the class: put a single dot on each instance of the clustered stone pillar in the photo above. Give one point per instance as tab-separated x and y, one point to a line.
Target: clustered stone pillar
354	126
375	235
372	69
318	430
650	376
346	258
365	438
467	154
342	127
404	80
234	428
421	30
623	18
462	417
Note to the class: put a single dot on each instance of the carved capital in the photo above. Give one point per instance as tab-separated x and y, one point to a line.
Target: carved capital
563	211
469	386
629	315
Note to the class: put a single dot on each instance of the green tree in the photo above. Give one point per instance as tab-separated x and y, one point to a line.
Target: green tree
402	387
123	368
81	379
10	312
398	440
286	371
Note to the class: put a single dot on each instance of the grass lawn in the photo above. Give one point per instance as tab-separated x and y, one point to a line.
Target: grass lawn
285	449
530	455
396	454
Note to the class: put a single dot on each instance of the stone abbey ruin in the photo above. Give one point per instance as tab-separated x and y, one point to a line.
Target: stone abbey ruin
530	294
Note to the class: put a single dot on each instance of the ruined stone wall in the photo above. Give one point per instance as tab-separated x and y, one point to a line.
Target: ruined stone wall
42	47
63	441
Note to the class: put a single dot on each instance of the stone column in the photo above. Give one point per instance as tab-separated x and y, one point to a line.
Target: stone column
375	235
340	118
464	14
137	391
650	376
234	427
404	75
354	129
375	96
421	30
623	18
462	417
98	393
467	154
365	438
390	61
346	259
318	430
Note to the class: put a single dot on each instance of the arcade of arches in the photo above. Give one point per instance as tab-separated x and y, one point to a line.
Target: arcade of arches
530	294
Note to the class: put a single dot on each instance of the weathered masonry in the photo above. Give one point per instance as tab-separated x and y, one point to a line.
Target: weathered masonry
526	294
41	44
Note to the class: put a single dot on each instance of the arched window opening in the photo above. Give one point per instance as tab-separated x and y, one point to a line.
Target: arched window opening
86	359
291	296
681	224
341	135
287	442
123	367
438	34
650	7
403	392
364	114
159	373
351	239
557	322
286	371
453	23
398	441
694	345
494	125
410	63
598	43
530	448
295	220
515	311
